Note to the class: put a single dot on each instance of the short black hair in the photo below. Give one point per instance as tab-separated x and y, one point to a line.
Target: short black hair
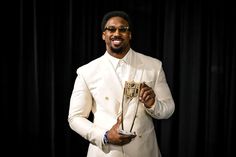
111	14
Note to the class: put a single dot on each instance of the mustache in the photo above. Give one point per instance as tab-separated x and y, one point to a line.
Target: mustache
116	38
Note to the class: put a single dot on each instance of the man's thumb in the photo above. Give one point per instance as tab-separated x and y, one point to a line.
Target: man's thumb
119	120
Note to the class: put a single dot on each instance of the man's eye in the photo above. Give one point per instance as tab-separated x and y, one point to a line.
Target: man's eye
111	29
122	29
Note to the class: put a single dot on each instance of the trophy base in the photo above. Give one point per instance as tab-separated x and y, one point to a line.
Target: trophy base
123	132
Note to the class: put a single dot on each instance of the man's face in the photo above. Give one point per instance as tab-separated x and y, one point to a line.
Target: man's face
117	35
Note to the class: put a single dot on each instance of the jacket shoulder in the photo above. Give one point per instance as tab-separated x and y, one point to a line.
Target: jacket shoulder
148	60
91	67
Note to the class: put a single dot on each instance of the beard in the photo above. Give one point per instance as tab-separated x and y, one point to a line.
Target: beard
117	50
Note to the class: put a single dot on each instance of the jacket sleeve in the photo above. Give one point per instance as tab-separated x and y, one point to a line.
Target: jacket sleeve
164	104
79	110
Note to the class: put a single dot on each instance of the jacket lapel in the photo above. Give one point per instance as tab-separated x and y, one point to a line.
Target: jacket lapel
136	70
111	80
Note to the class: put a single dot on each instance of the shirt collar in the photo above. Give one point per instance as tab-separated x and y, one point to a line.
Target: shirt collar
115	61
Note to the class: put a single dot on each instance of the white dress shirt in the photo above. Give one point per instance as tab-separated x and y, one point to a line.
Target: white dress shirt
121	66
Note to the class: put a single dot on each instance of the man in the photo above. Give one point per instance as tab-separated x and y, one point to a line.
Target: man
100	87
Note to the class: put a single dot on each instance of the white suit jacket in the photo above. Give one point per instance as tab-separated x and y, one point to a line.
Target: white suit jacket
97	89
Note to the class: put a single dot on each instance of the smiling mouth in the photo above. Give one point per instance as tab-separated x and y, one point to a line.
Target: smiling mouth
116	42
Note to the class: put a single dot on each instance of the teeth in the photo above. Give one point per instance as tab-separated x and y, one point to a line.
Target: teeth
117	41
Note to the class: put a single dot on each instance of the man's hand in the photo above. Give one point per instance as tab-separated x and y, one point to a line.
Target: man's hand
147	95
114	137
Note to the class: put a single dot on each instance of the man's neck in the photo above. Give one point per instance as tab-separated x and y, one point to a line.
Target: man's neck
118	55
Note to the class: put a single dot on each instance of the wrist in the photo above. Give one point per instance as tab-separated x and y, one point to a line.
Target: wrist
150	104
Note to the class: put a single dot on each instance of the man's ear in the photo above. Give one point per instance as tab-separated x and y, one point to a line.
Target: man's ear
130	36
103	35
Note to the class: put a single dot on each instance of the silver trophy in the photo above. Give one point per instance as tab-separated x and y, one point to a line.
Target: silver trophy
131	90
